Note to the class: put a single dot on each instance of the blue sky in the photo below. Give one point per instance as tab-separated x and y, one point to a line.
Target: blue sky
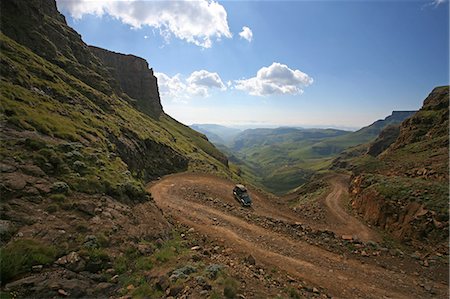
306	63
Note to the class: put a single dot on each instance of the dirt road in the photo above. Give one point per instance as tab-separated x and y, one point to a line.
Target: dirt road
205	203
342	222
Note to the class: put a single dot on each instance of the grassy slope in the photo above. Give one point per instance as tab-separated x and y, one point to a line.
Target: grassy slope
40	96
414	168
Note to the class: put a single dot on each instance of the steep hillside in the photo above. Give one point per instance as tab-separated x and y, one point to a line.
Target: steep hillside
80	136
401	184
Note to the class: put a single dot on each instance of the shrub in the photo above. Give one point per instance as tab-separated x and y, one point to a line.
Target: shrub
19	256
79	167
52	208
34	144
60	187
230	288
57	197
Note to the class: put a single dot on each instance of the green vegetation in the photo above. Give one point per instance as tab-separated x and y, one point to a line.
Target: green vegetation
282	159
19	256
77	123
404	190
170	249
230	287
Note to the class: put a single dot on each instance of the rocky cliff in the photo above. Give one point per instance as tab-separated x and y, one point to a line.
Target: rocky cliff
135	79
402	185
388	136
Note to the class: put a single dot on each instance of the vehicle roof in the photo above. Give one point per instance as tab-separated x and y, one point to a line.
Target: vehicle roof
242	187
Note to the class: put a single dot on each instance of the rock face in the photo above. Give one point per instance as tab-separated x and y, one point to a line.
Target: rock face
384	140
147	158
38	25
404	187
135	79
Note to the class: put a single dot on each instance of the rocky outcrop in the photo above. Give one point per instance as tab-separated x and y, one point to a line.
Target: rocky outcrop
384	140
431	122
406	216
403	187
39	26
147	158
135	79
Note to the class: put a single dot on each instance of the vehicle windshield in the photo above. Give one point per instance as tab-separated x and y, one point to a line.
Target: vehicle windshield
245	196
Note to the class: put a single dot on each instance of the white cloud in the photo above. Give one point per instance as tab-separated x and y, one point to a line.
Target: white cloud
199	22
206	79
438	2
275	79
434	3
246	33
198	84
171	87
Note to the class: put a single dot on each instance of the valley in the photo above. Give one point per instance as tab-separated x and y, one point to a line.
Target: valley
282	159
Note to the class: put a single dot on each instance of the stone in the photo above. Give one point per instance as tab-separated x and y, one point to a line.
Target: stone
63	293
195	248
72	261
32	170
175	290
43	187
250	260
347	237
7	168
37	268
145	249
30	190
15	181
163	283
114	279
130	287
86	207
6	229
104	286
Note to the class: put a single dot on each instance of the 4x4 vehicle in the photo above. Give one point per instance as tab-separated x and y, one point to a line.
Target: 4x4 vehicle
241	195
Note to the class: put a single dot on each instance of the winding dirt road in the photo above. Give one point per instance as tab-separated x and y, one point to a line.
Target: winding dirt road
343	223
205	203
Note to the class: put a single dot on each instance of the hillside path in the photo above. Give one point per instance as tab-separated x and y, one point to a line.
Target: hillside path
343	223
198	201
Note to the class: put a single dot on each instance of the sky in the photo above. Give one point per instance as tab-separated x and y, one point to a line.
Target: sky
323	63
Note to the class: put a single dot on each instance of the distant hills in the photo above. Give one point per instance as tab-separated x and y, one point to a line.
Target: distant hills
217	134
281	159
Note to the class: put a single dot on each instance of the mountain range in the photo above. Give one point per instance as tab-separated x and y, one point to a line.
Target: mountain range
282	159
